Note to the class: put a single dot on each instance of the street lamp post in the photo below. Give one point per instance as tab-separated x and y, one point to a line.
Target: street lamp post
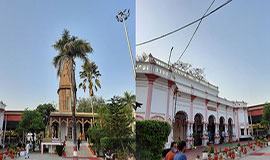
122	17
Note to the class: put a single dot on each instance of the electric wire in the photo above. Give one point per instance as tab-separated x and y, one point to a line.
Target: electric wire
195	30
169	33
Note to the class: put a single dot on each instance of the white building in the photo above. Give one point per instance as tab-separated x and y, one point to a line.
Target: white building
191	106
2	114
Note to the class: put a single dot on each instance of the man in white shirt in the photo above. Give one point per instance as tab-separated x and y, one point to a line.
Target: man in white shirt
27	148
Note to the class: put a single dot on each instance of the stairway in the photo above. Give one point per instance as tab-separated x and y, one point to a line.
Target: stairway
83	152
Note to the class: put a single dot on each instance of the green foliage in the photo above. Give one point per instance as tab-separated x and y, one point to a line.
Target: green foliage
84	104
59	150
117	119
116	144
205	149
95	134
151	136
45	111
31	121
90	75
266	115
129	100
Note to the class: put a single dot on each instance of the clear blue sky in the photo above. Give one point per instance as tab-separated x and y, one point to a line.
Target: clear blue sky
29	28
231	44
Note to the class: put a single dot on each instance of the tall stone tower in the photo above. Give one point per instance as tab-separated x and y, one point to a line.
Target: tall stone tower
64	90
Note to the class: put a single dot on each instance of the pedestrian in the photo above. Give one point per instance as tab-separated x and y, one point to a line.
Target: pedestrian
209	135
27	148
109	155
223	136
170	155
79	143
181	152
179	139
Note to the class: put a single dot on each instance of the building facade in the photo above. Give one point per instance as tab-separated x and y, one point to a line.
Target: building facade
192	106
2	113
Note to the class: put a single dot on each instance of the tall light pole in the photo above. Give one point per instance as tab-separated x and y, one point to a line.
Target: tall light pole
122	17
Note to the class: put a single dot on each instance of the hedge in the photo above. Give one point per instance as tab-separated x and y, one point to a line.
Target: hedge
151	136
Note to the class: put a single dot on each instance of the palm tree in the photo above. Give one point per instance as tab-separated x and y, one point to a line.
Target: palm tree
129	100
69	48
90	75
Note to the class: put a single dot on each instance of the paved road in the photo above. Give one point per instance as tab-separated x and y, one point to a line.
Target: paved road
46	156
263	154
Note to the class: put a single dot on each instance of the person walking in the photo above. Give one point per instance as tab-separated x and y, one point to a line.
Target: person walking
181	154
109	155
170	155
79	143
27	148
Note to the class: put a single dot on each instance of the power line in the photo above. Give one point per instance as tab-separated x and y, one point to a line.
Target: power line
196	30
169	33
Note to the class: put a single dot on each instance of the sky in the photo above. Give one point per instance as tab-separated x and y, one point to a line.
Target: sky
232	44
28	30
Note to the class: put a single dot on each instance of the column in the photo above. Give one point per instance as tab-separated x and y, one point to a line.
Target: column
251	124
192	98
217	137
170	83
206	110
50	128
189	134
233	127
226	133
205	137
67	138
59	129
238	127
91	121
151	79
83	134
246	126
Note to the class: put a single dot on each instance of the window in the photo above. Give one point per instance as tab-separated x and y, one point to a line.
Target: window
242	132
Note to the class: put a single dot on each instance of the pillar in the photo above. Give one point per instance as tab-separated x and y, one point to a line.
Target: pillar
226	139
217	137
67	130
151	79
189	134
205	138
83	134
50	128
192	98
91	121
59	129
170	83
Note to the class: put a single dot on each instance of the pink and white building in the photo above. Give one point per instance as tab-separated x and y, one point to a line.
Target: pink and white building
191	106
2	114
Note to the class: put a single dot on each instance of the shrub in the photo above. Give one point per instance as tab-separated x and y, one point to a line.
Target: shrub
59	150
114	143
151	136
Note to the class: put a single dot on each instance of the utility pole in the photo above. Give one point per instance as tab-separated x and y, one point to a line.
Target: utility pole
122	17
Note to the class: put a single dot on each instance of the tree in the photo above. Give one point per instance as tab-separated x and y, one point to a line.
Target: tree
95	134
84	104
129	100
90	75
31	122
69	48
45	111
117	118
266	116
